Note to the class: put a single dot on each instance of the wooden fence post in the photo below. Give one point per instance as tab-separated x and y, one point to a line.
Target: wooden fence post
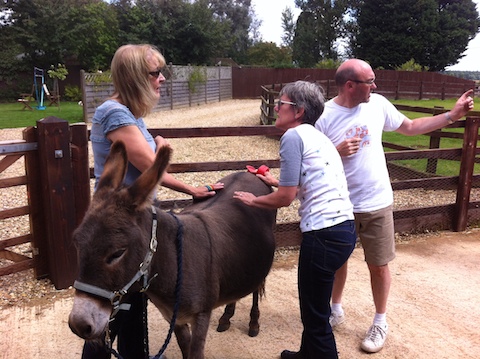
220	82
80	170
58	199
271	106
466	171
170	84
35	202
434	143
83	87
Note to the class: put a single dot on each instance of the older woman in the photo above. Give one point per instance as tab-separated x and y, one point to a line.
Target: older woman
311	170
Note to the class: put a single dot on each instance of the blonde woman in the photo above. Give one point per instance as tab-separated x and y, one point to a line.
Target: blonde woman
137	78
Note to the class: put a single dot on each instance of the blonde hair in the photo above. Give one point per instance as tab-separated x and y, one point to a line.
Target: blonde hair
130	67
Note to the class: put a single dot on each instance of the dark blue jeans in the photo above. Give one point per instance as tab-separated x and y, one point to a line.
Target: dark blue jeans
322	252
128	327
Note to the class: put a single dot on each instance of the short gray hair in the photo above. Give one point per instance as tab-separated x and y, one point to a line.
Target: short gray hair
306	95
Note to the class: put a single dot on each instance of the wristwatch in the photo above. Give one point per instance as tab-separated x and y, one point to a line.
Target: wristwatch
449	118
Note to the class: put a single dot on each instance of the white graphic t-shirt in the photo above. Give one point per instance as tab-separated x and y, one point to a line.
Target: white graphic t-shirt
366	171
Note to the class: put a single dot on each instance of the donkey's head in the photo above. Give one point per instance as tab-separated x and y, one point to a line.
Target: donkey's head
113	237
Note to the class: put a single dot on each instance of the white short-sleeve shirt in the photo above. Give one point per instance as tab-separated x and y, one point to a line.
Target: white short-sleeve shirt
366	171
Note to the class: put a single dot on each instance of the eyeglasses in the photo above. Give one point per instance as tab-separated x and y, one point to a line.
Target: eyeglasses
368	82
155	74
280	102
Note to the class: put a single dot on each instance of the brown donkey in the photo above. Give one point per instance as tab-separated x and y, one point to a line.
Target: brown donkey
125	244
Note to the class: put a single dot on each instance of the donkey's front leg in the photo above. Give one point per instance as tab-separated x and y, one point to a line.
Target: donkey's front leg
182	333
224	321
199	335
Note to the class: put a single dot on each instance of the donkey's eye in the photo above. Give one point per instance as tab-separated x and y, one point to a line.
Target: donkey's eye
115	256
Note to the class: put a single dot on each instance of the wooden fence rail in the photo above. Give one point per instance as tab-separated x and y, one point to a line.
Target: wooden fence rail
388	88
247	82
58	182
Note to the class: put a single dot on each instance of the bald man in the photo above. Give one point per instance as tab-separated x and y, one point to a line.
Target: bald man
354	122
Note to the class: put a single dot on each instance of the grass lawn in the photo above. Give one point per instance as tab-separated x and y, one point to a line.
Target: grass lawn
422	141
444	167
12	115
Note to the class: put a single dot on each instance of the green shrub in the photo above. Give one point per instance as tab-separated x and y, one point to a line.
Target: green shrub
72	93
198	76
328	64
411	65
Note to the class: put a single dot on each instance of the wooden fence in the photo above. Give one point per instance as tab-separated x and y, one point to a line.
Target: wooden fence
58	183
212	84
393	89
223	82
248	82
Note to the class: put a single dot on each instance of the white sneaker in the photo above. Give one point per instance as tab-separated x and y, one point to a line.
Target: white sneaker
375	338
336	319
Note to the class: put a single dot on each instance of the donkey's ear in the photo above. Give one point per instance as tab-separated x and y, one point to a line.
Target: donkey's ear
142	188
115	167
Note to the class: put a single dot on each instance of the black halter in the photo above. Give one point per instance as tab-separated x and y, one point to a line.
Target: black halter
115	297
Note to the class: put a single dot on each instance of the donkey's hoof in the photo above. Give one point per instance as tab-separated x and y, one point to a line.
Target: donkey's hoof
223	327
253	332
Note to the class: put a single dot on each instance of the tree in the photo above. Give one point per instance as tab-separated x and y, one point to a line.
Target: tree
255	24
11	65
459	23
237	15
135	21
93	36
59	72
328	20
200	36
288	26
305	51
328	64
45	32
268	54
39	27
187	32
51	31
411	65
434	34
351	28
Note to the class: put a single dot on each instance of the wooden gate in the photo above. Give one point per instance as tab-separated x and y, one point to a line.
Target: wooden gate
58	192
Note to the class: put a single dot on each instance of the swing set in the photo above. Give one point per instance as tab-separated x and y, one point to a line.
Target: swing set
38	76
39	91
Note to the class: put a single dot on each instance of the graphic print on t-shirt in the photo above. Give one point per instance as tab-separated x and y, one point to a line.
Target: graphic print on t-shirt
360	131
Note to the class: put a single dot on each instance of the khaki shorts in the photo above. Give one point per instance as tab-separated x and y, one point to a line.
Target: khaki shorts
377	235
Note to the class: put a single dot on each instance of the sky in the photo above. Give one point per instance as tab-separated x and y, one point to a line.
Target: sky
270	12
